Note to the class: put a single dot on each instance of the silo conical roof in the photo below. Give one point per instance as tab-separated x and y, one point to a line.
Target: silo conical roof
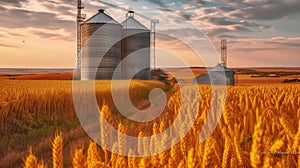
101	17
220	67
131	23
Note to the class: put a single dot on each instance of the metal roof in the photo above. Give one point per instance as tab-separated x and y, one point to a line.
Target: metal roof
213	75
101	17
212	78
220	67
131	23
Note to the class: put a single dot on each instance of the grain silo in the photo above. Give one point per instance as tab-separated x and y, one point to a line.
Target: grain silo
219	75
101	47
136	41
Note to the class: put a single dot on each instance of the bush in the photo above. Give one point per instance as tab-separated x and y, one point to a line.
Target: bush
291	80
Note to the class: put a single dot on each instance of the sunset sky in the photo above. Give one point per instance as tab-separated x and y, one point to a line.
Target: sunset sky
260	33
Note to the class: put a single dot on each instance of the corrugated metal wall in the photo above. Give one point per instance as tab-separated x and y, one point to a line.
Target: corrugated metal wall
101	51
136	40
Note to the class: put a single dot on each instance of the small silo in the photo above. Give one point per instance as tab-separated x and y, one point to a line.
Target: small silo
219	75
101	47
135	43
229	74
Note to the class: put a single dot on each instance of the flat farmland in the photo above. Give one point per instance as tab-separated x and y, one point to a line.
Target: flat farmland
256	119
244	76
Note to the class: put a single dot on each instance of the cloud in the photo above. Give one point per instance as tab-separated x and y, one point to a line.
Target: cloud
242	9
268	11
226	36
2	9
221	17
54	19
179	13
164	9
287	42
8	45
62	9
260	44
69	2
217	30
199	1
251	49
218	21
184	32
226	8
16	3
158	2
10	33
186	16
20	18
212	32
52	22
54	35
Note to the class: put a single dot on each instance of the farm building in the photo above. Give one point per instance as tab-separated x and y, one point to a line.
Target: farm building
219	75
135	49
101	47
106	44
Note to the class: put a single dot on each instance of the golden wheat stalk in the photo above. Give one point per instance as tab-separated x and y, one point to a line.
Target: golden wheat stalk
164	155
226	154
57	151
132	161
269	159
114	156
191	159
121	162
31	161
296	142
236	144
287	125
93	156
141	143
142	163
41	165
257	145
208	153
79	159
121	139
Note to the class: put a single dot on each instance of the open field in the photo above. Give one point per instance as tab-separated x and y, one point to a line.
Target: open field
256	119
244	76
248	80
276	69
36	74
31	112
58	76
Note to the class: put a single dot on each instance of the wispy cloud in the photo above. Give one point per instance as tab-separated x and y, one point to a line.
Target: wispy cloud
25	18
268	10
8	45
15	3
252	27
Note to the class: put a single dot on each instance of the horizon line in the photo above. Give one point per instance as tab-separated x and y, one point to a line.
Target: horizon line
66	68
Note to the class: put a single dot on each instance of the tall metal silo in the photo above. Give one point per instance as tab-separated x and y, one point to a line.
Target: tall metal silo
135	37
101	47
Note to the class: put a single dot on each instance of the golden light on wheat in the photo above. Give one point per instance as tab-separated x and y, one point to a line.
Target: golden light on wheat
259	128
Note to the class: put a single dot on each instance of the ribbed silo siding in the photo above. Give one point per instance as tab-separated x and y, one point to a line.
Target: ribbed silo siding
134	40
98	73
101	51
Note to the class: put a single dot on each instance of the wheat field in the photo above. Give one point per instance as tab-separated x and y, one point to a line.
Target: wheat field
259	128
28	100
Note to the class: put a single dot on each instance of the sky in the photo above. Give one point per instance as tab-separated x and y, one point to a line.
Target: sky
260	33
